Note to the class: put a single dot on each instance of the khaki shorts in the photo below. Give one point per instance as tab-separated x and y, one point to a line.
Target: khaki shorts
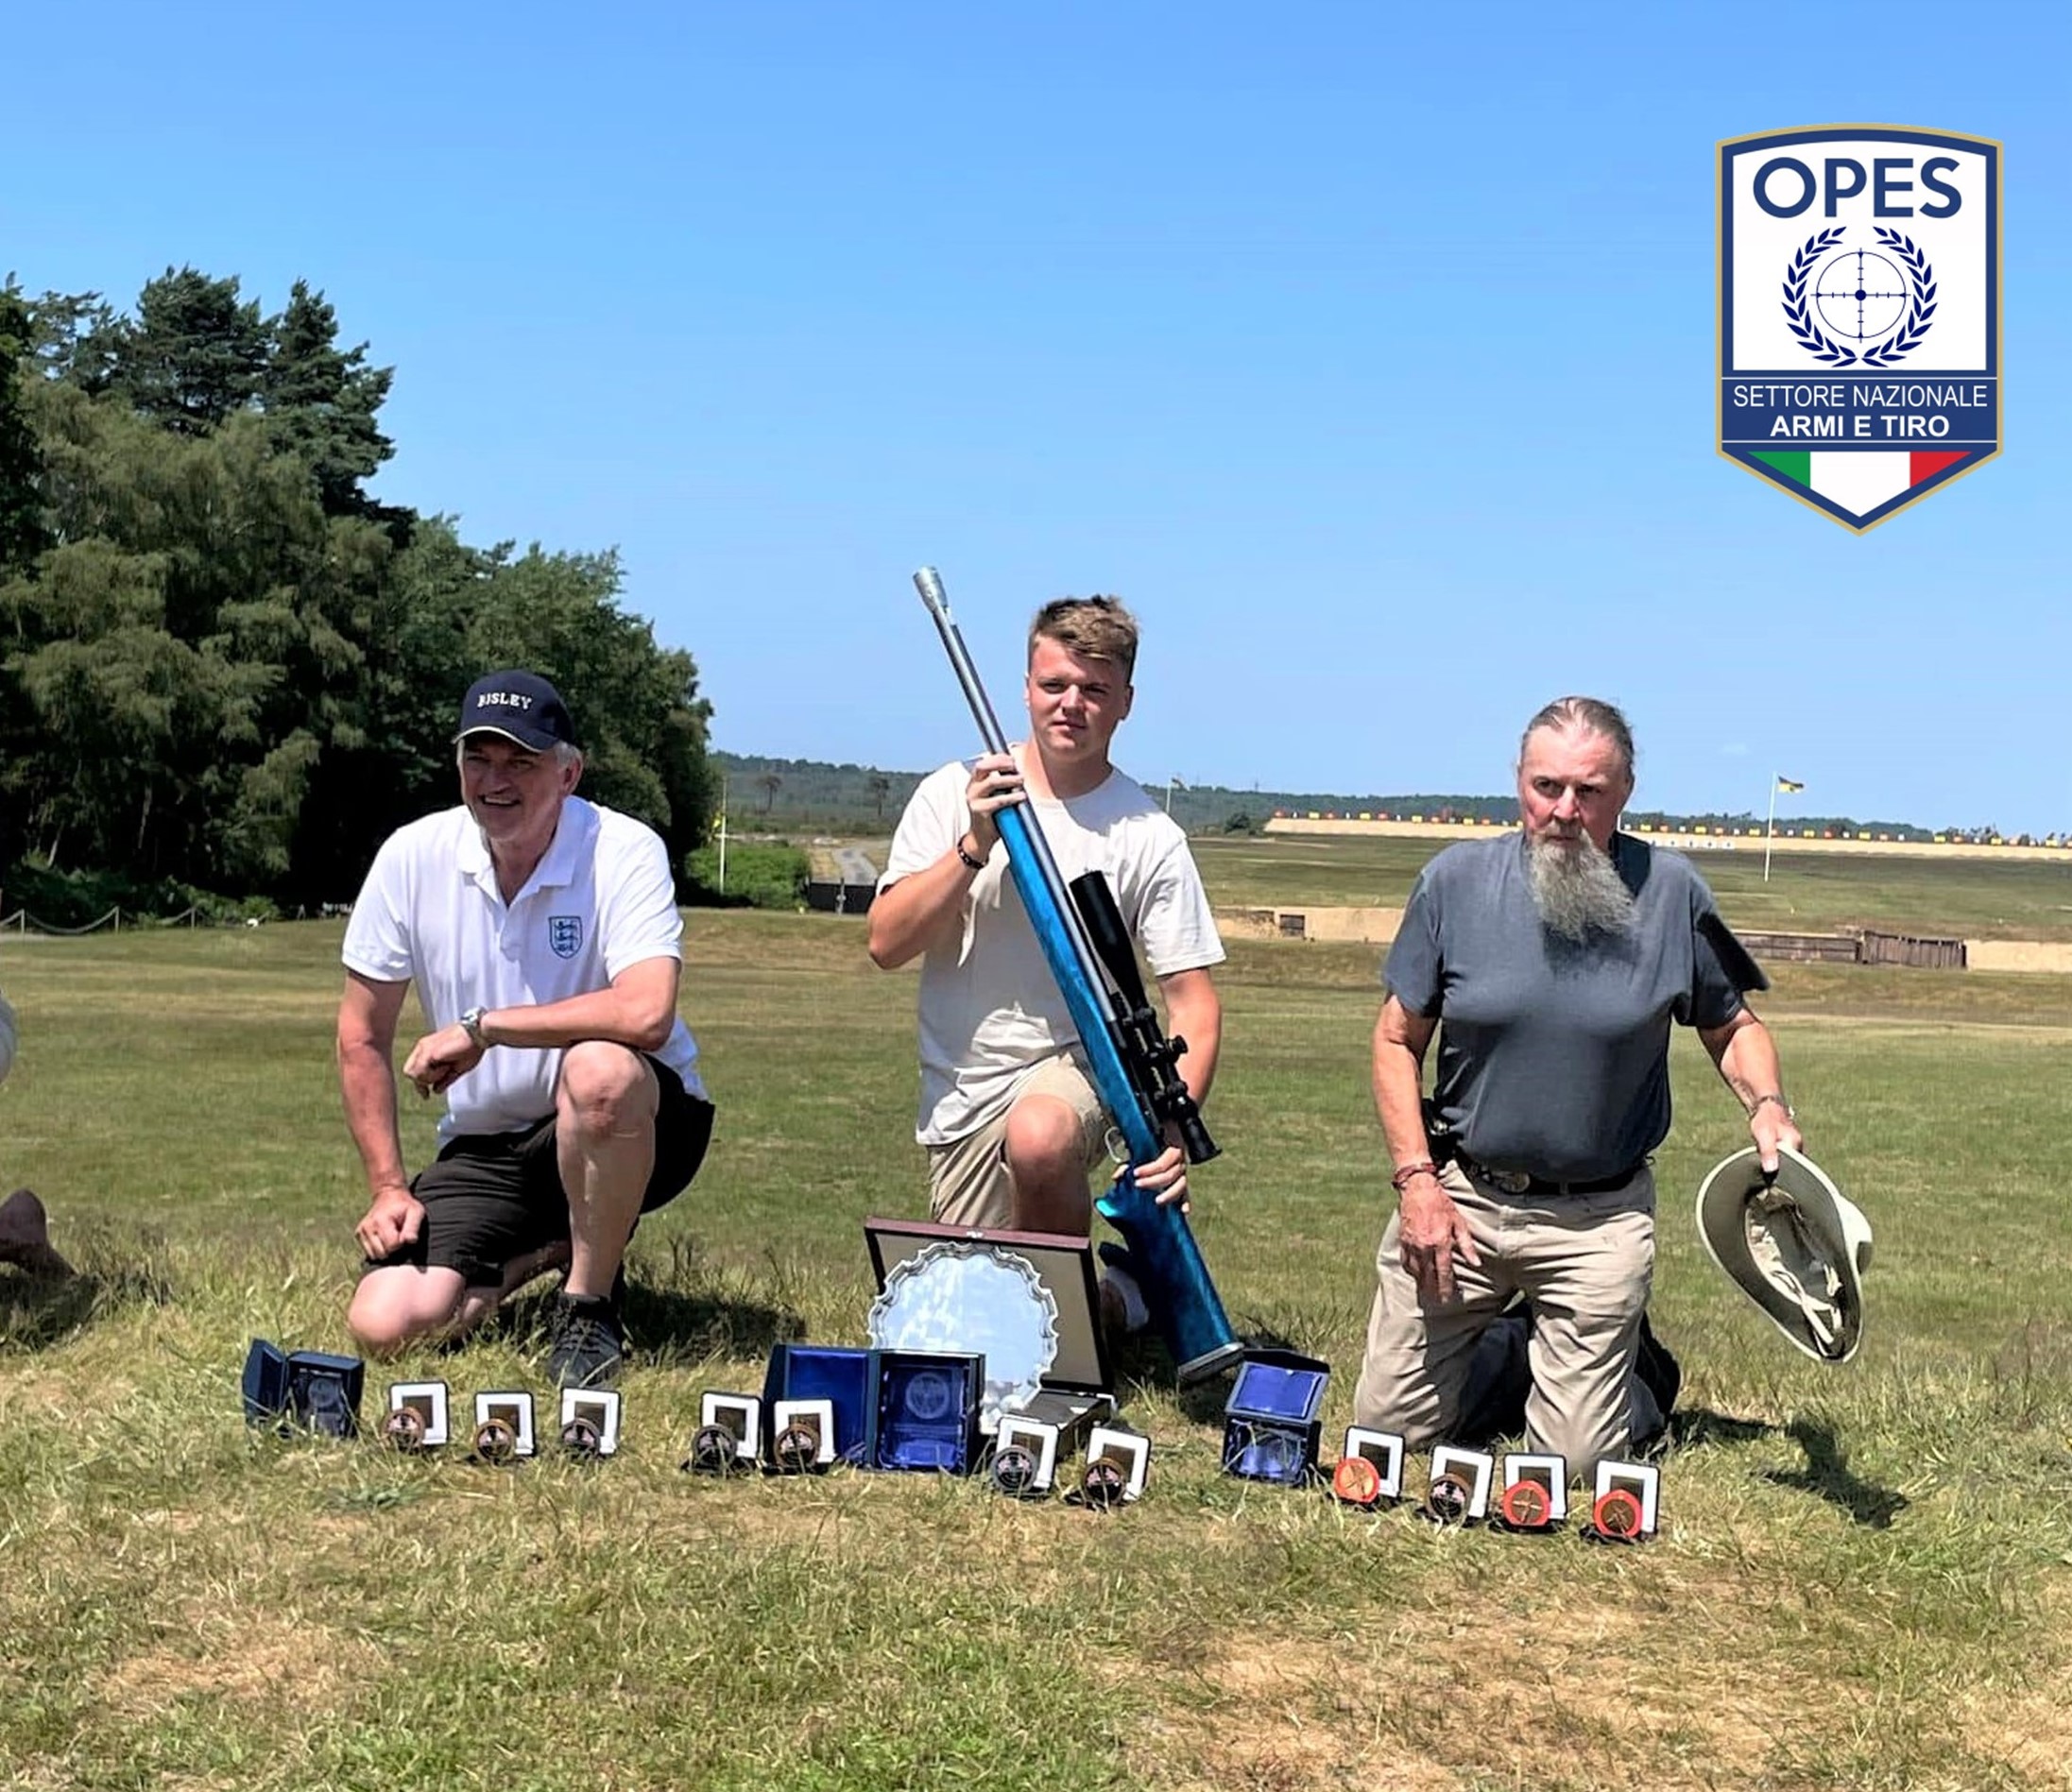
968	1180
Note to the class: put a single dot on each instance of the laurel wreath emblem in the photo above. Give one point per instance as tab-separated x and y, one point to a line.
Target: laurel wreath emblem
1920	312
1798	311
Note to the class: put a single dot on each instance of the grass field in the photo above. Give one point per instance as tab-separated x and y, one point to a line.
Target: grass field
1864	1579
1807	893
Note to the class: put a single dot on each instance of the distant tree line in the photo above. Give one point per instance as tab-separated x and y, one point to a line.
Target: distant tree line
800	795
226	668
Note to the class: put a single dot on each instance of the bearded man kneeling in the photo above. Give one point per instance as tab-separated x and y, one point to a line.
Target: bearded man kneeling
1551	964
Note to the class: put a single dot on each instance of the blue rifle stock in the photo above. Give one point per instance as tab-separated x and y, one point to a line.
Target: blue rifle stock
1132	1063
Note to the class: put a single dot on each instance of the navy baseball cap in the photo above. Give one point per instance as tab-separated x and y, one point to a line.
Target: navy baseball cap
522	706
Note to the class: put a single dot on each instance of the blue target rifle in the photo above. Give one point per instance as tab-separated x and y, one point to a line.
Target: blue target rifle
1089	953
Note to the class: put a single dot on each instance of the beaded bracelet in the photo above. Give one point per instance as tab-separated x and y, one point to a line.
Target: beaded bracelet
1424	1166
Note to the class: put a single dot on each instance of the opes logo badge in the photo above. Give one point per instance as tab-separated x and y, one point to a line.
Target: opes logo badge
1860	311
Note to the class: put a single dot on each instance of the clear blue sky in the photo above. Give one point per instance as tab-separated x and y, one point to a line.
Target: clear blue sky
1367	353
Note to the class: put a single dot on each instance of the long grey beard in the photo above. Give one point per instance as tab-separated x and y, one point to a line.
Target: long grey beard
1577	889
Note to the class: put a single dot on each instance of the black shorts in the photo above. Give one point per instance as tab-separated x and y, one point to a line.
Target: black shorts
491	1198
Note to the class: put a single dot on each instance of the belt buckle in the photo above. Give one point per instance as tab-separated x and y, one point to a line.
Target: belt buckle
1509	1182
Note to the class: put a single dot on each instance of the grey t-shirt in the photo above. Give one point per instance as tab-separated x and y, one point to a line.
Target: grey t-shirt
1553	1057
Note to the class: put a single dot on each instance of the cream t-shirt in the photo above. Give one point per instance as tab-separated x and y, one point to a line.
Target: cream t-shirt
990	1009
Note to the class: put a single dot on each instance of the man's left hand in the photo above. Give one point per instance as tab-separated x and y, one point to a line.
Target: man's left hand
1165	1177
438	1058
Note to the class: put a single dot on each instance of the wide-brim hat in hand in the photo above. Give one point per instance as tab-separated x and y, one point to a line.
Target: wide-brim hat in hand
1794	1243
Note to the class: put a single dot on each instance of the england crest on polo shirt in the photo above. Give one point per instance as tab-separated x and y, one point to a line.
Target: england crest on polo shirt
565	934
1860	313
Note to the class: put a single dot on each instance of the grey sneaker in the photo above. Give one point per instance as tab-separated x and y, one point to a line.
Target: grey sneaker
588	1343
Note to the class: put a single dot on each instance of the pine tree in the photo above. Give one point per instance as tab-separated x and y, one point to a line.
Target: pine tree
194	355
322	400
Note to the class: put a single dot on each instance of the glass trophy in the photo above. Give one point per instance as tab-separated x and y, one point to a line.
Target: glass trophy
928	1411
975	1299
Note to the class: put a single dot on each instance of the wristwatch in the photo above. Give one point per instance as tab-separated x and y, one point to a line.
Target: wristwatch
471	1023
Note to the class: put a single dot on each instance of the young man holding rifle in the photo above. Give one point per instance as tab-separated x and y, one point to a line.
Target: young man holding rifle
1012	1124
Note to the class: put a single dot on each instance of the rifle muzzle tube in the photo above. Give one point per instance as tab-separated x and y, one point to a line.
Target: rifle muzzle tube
929	583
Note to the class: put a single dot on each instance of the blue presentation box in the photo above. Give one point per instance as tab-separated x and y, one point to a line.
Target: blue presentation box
306	1389
1270	1420
843	1375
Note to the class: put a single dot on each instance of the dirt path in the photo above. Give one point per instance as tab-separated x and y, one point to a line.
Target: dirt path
1376	927
1683	840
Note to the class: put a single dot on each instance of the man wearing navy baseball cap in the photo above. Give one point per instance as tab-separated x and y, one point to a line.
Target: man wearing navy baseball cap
542	935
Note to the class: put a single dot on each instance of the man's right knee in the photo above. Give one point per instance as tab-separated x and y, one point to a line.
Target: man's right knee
1412	1372
1043	1140
393	1306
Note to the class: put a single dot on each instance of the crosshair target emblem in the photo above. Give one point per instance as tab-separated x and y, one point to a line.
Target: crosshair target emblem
929	1395
1861	295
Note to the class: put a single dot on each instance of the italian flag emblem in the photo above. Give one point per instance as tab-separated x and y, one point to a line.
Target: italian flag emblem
1858	482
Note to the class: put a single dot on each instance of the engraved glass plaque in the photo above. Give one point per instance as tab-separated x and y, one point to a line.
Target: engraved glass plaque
976	1298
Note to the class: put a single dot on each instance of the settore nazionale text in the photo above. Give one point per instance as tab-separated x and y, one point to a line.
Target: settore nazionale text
1865	410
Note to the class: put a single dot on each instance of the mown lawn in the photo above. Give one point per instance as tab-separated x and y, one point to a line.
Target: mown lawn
1864	1578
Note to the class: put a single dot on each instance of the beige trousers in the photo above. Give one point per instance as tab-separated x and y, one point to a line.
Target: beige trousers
968	1180
1584	1262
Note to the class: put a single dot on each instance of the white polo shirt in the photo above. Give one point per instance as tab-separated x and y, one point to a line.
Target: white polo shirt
431	914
